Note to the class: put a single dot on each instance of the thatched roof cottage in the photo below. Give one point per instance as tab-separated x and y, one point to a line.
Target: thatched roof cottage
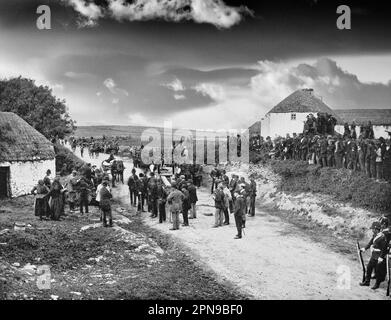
25	156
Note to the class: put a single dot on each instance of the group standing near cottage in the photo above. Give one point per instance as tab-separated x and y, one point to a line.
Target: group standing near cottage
319	144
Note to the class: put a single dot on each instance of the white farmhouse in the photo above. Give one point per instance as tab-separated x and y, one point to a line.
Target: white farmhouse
25	156
380	119
291	113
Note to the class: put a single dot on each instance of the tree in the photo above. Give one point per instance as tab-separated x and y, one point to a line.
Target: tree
37	106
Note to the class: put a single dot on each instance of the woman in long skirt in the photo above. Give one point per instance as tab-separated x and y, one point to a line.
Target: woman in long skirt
56	200
41	206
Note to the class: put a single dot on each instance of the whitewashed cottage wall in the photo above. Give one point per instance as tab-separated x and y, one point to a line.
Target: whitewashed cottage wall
25	175
279	124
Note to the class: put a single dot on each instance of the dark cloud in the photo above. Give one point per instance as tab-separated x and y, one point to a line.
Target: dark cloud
339	88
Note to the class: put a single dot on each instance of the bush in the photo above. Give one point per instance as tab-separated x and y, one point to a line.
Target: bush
65	156
343	184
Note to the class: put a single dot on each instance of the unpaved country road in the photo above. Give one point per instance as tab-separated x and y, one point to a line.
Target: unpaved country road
270	262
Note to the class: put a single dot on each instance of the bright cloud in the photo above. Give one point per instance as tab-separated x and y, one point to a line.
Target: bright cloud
215	91
113	88
89	10
175	85
214	12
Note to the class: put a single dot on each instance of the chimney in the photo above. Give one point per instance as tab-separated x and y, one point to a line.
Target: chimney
309	90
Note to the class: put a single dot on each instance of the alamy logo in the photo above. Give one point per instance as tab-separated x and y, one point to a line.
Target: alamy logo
44	21
43	277
343	277
344	21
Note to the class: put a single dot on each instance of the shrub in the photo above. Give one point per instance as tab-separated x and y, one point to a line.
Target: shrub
65	156
343	184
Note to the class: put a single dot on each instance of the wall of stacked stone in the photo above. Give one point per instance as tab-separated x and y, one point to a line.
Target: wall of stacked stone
25	175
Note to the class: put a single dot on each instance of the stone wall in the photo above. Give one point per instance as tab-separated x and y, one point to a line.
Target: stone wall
25	175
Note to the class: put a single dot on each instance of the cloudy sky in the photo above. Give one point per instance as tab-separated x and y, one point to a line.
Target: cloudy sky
199	63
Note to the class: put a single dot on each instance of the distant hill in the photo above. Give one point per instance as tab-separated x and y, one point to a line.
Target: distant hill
109	131
121	131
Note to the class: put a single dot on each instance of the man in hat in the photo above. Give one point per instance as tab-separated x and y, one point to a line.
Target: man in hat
84	190
105	205
239	212
193	200
162	199
252	195
214	174
218	197
132	188
377	245
175	200
71	186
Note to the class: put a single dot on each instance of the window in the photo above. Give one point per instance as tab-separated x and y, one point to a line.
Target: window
293	116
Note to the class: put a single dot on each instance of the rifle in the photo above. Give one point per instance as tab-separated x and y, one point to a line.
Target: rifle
388	273
361	260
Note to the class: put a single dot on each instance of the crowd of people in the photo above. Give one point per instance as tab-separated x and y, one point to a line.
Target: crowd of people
320	145
83	188
93	146
231	196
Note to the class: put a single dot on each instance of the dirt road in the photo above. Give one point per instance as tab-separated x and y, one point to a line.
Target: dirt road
274	260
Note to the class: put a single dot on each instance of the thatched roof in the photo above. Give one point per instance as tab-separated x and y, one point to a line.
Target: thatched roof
21	142
380	117
302	100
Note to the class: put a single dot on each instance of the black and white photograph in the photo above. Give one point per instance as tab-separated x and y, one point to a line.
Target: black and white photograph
217	152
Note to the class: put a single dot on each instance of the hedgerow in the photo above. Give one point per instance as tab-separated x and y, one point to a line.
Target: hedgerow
343	184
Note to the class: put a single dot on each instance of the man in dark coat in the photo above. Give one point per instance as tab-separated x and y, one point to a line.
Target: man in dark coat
84	190
132	188
185	207
162	199
239	212
153	198
252	194
193	200
218	198
378	243
105	205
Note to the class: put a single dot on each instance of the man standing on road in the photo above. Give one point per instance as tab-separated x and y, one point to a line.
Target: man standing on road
105	205
132	188
185	206
253	194
377	244
162	199
239	211
193	200
153	197
218	197
175	200
214	174
227	202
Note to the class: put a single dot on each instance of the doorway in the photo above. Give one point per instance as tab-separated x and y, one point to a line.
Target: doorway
4	182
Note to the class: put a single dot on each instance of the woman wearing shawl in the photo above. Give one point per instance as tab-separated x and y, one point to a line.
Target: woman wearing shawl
41	206
56	200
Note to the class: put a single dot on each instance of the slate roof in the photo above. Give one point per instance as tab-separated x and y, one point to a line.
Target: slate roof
380	117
